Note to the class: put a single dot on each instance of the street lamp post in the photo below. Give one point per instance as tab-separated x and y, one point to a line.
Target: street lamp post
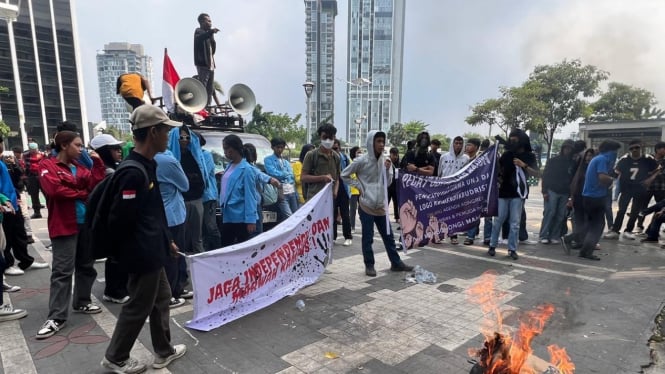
359	122
309	87
9	12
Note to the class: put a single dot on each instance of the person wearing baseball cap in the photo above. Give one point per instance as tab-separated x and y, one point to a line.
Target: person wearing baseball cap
138	213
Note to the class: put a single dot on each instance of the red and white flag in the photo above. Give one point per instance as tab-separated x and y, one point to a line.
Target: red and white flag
171	78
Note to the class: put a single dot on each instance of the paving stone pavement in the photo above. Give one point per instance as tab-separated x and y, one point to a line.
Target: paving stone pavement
604	313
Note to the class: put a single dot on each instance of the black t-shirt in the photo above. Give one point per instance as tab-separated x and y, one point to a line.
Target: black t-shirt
420	159
633	172
508	184
193	172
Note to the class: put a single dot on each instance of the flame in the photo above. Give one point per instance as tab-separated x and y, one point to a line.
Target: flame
505	352
560	359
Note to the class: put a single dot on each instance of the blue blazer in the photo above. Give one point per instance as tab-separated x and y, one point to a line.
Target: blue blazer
239	204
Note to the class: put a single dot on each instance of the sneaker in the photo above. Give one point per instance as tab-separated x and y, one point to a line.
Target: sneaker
370	271
186	294
100	260
611	235
31	240
468	241
49	328
174	303
115	300
486	242
628	235
639	230
544	241
554	241
591	257
353	231
347	242
131	366
179	350
491	251
88	309
648	240
38	265
9	288
566	246
36	216
513	255
528	241
401	267
8	313
503	241
14	270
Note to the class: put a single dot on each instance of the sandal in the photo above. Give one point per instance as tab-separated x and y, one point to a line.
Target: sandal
468	242
454	241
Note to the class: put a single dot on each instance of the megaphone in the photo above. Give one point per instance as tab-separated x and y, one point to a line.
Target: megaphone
191	95
241	99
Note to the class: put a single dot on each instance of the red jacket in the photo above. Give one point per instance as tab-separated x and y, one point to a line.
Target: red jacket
62	189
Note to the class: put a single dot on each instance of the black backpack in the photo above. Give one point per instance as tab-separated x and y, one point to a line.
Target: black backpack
97	211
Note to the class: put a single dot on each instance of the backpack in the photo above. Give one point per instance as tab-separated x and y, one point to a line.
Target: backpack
97	211
269	193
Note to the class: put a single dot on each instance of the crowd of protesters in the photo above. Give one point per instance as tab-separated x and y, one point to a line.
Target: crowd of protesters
176	206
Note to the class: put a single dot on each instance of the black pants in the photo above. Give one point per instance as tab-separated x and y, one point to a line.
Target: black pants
134	102
211	237
116	279
392	195
657	196
233	233
149	296
207	78
33	190
639	199
176	267
17	240
594	218
342	203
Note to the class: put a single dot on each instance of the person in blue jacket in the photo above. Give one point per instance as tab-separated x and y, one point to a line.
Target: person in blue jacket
237	196
212	239
280	168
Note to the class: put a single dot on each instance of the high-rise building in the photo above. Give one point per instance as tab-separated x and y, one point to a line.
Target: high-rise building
117	59
374	66
320	50
40	67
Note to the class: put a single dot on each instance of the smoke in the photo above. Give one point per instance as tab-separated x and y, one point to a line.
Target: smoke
621	37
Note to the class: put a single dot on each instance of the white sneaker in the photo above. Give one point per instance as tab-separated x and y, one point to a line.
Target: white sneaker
131	366
611	235
555	241
100	260
9	288
110	299
8	313
179	350
174	303
347	242
503	241
639	230
544	241
528	241
14	270
628	235
38	265
353	231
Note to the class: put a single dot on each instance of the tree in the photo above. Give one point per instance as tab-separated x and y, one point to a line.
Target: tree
469	135
622	102
561	88
413	128
522	106
488	112
4	127
273	125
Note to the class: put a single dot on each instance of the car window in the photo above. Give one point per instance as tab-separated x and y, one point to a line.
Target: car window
214	145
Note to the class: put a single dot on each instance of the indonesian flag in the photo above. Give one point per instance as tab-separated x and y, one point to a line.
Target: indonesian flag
168	86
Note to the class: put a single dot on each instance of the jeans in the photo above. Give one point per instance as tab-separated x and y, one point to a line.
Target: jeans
194	226
149	296
3	264
212	239
608	211
71	255
554	215
207	78
368	221
287	206
654	227
487	230
508	207
594	207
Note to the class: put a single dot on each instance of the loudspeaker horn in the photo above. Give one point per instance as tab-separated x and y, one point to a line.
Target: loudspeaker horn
191	95
241	99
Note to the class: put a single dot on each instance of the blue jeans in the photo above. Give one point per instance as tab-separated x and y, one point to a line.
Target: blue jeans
512	207
368	221
554	215
287	206
487	230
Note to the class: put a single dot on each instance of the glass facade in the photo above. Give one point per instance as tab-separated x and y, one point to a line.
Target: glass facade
48	76
320	64
117	59
374	66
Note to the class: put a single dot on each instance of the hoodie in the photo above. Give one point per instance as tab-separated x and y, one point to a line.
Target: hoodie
369	170
450	163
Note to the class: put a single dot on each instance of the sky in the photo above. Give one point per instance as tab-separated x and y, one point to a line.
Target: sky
456	53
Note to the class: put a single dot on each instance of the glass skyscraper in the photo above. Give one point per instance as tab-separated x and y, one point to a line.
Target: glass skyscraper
374	66
40	66
320	65
117	59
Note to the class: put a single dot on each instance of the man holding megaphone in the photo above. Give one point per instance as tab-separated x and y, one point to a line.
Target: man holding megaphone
204	50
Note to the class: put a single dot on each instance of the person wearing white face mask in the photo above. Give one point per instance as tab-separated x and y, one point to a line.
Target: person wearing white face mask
321	165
